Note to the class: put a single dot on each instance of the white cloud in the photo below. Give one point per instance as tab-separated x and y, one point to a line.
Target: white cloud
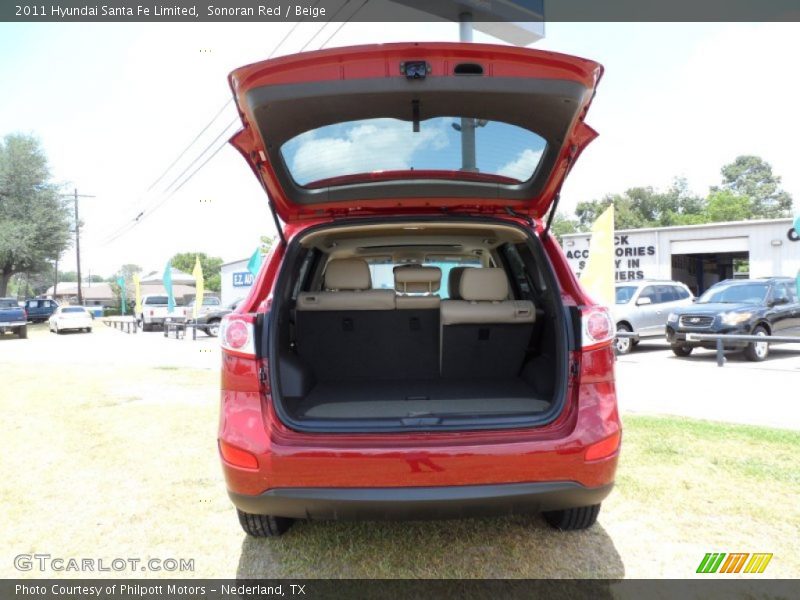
383	145
522	167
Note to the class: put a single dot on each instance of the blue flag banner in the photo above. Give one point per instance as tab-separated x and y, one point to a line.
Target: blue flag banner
254	264
167	281
122	296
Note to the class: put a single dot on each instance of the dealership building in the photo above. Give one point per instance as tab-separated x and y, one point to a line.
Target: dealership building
235	281
698	255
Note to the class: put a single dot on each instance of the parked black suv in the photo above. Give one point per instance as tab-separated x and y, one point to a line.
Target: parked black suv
762	307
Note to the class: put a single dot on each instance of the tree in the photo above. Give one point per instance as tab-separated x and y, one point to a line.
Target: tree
34	219
726	205
211	265
563	225
646	207
752	178
127	272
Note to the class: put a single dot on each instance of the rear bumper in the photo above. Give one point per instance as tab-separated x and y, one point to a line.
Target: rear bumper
678	337
10	324
420	502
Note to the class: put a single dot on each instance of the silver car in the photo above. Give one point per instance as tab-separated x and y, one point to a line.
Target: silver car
642	308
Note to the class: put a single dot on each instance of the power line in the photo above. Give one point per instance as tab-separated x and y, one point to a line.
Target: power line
343	23
185	150
159	202
324	25
151	208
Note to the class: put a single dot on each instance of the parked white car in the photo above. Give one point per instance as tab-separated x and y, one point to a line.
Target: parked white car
642	308
76	318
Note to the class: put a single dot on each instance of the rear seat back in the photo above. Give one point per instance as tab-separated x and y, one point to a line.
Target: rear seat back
347	286
484	334
342	332
416	326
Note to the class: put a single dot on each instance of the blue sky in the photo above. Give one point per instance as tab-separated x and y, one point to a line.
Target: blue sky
391	144
114	105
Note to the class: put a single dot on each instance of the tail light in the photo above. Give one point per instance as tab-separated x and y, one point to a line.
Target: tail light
152	313
24	314
597	327
237	334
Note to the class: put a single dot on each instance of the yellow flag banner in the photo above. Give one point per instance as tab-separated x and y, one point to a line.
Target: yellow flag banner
137	309
598	275
199	287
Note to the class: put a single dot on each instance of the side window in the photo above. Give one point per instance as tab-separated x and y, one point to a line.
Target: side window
680	293
650	292
666	293
780	292
792	292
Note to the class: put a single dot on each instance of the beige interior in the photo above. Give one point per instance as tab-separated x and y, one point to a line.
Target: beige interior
411	281
347	286
485	300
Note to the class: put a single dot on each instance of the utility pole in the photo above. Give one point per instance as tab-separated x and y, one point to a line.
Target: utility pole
468	158
75	196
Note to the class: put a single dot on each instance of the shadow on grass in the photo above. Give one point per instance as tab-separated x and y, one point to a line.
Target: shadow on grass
491	548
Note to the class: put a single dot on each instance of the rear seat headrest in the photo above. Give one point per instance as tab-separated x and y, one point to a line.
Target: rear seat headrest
347	274
417	280
454	282
484	285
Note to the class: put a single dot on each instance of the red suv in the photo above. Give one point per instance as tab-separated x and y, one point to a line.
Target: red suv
415	344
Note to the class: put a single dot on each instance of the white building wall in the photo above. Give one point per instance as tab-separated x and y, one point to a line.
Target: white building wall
236	281
647	253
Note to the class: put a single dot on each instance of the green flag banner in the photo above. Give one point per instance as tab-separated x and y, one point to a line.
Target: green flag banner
122	295
254	264
167	281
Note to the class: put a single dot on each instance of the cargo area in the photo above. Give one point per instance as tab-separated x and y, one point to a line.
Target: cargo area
417	326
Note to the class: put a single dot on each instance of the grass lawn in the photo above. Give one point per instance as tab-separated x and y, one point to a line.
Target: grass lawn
115	461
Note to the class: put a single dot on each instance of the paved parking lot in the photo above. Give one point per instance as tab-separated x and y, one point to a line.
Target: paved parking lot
652	380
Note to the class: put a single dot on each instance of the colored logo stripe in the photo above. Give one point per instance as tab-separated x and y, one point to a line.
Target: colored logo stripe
713	562
710	562
734	563
758	563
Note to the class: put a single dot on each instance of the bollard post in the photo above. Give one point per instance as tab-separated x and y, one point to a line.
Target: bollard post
194	333
720	353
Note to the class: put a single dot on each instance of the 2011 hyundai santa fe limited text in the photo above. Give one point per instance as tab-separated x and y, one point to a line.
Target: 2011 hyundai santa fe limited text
416	345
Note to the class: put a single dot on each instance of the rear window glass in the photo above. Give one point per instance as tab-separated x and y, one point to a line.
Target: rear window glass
76	309
156	300
748	293
382	273
6	303
362	149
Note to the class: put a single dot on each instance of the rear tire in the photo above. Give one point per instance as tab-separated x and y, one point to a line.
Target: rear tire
758	351
22	332
682	351
263	525
573	519
623	345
